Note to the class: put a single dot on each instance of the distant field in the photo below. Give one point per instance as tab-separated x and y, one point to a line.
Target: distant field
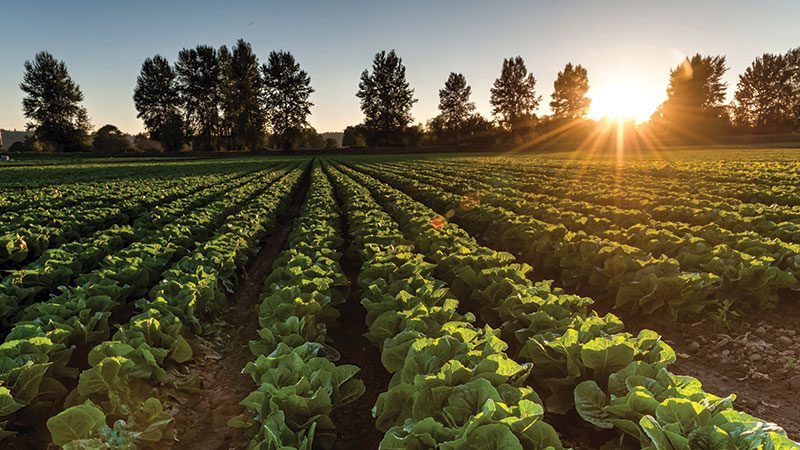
475	301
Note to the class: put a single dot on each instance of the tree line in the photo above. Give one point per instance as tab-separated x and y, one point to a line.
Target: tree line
224	99
214	99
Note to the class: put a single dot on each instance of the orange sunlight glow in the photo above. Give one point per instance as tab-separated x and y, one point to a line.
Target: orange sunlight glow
623	99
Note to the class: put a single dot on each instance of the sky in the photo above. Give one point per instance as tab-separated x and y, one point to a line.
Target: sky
628	47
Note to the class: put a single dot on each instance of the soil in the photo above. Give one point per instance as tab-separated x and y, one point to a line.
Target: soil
754	355
201	419
355	424
757	358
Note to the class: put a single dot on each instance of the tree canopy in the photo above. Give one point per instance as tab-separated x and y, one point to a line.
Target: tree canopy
243	99
287	90
110	139
199	84
767	98
156	96
386	100
569	100
52	103
513	96
694	107
454	104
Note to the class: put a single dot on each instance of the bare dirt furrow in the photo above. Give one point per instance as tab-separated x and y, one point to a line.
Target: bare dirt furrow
201	422
354	422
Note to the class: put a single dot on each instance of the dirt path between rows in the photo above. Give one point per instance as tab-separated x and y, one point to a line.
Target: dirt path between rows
355	425
201	422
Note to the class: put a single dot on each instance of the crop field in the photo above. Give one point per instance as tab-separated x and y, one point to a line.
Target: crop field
482	302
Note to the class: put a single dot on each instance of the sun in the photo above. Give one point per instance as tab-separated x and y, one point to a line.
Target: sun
622	99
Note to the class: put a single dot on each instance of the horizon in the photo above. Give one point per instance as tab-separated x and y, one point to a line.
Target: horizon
103	47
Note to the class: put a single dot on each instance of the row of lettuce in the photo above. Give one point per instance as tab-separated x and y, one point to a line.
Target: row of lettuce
733	184
648	198
62	265
37	221
297	382
669	198
179	272
674	272
579	361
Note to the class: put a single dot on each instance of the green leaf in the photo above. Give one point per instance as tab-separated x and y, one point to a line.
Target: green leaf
663	439
26	388
7	403
709	438
180	351
490	436
607	355
75	423
687	414
590	402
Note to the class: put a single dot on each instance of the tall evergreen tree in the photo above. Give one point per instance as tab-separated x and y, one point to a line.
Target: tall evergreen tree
287	89
514	100
454	103
386	100
53	104
569	100
242	98
199	84
156	97
694	107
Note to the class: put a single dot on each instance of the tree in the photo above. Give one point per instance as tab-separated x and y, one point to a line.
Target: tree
569	99
242	97
386	100
156	95
19	147
475	130
514	100
793	63
287	89
172	135
110	139
143	143
53	105
454	103
354	136
312	139
331	143
766	95
199	84
294	138
695	95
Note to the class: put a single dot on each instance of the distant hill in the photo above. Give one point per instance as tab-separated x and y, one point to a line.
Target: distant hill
9	137
335	135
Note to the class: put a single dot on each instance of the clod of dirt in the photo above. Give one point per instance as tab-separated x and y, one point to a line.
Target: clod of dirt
794	383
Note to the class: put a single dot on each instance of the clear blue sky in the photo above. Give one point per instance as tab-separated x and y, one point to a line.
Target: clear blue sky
105	42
